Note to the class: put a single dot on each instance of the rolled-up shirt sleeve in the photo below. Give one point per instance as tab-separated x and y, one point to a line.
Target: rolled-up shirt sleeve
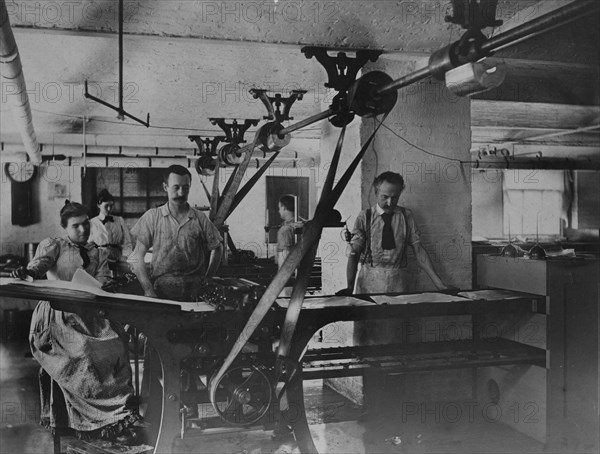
142	230
213	236
285	238
414	236
359	232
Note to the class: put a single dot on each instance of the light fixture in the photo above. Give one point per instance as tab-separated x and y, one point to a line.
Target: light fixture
472	78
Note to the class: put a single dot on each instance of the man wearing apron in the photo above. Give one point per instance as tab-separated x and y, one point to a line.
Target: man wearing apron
381	236
380	239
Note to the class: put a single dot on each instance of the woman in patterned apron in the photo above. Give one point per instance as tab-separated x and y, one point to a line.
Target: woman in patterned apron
86	356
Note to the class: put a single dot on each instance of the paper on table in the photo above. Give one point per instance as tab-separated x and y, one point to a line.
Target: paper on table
416	298
69	285
83	279
491	294
328	301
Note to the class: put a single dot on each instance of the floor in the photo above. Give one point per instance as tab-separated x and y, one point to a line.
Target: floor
337	425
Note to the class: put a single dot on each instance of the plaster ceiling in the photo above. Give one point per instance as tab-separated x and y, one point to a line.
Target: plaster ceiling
185	61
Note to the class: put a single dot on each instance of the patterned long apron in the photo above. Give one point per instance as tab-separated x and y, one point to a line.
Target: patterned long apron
88	358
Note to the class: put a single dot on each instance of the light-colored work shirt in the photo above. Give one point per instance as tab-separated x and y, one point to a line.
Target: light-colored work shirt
286	235
177	248
390	258
113	235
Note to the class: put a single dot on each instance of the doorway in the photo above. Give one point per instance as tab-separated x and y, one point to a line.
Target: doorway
278	186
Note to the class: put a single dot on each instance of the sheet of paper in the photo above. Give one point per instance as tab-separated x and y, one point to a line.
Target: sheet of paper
83	279
416	298
489	295
67	285
90	288
328	301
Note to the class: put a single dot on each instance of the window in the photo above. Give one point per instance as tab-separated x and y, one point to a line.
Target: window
535	201
135	189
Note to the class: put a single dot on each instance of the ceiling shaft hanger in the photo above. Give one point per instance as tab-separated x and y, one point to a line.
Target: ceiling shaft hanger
121	111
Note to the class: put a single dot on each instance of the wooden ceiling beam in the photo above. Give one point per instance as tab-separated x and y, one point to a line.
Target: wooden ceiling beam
532	115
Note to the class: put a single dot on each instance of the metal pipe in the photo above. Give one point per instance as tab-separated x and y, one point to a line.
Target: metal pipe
404	81
542	24
11	71
307	121
121	59
121	114
511	37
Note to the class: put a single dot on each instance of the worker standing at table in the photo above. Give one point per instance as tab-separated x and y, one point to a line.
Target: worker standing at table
380	240
186	245
110	233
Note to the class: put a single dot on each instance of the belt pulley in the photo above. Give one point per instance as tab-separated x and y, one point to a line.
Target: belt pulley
246	393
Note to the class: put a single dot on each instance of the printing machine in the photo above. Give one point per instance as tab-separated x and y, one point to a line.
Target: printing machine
191	340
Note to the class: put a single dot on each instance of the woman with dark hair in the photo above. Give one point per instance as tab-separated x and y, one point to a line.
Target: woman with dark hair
110	233
85	355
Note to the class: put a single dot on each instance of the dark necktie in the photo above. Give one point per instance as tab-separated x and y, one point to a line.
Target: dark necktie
84	256
107	219
387	237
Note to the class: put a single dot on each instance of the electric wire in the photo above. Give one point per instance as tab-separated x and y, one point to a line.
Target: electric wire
422	149
125	123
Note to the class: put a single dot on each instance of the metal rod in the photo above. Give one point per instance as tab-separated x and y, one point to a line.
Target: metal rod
121	57
110	106
511	37
560	16
409	79
121	112
307	121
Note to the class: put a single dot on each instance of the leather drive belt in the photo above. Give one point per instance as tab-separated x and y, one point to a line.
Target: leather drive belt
308	243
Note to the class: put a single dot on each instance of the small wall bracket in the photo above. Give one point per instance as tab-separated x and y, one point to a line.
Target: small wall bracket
274	103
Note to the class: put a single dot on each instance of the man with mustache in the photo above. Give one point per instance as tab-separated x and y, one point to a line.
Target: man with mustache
186	245
380	240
